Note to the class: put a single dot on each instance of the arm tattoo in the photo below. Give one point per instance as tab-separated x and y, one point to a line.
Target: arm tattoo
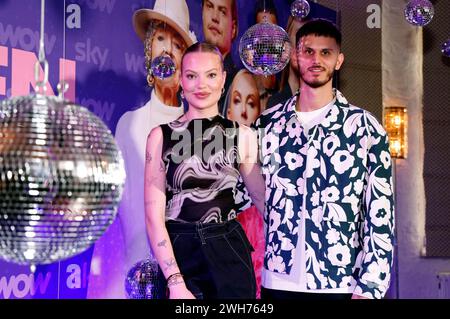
175	280
148	157
162	243
170	263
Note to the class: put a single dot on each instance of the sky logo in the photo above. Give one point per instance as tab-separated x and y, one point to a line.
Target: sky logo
89	53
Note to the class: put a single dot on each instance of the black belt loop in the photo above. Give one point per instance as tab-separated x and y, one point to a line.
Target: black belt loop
199	228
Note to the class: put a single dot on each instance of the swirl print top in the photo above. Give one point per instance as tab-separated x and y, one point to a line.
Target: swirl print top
202	169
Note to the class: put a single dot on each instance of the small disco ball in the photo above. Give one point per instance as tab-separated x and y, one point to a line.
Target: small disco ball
419	12
163	67
142	281
265	49
300	9
61	179
445	49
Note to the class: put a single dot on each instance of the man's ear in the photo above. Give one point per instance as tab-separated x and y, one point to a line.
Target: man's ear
339	61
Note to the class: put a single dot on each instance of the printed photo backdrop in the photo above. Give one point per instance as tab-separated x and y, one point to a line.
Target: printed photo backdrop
93	46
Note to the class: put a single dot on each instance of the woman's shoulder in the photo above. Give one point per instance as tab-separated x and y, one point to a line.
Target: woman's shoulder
156	132
178	123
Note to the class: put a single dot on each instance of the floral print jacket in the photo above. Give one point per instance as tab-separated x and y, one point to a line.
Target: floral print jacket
348	197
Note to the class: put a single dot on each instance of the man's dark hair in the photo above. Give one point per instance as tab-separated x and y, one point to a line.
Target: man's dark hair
320	28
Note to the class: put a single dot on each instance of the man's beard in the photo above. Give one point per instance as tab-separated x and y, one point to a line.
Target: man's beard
316	83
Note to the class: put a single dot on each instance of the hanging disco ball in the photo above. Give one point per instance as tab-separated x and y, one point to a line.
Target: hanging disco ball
61	179
419	12
142	281
163	67
265	49
300	9
445	49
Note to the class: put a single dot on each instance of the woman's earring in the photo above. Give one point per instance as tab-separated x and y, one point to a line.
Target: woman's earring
151	81
182	94
150	78
223	91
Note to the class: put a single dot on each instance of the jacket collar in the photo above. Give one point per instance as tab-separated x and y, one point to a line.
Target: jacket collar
334	119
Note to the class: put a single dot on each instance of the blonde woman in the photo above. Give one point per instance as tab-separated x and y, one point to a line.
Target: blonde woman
192	169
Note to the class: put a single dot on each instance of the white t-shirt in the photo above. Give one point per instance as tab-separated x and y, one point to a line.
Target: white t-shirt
310	119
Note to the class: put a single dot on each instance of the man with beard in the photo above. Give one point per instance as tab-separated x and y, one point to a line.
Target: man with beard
329	210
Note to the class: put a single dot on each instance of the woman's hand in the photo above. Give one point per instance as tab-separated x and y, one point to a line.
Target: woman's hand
180	291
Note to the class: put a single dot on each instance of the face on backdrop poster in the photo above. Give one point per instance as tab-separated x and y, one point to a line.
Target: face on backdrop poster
102	53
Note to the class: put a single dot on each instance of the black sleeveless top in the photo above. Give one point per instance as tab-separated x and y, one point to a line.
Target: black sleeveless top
201	161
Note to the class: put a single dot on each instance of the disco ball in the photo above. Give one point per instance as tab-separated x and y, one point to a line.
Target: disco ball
265	49
142	281
163	67
445	49
300	9
61	179
419	12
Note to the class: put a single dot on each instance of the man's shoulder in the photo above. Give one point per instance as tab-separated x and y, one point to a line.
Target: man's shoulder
356	109
353	109
369	119
270	114
348	107
275	112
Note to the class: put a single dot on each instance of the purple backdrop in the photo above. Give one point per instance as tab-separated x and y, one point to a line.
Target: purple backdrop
104	64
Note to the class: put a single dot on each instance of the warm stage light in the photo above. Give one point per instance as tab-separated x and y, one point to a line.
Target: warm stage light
396	125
